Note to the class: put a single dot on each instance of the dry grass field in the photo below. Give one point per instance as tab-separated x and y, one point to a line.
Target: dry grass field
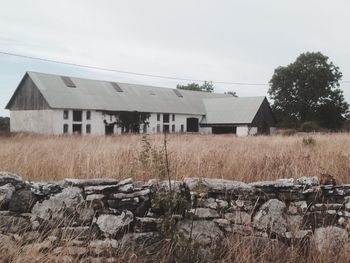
247	159
221	156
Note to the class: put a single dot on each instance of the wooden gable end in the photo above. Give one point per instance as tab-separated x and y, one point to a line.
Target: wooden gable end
27	97
264	116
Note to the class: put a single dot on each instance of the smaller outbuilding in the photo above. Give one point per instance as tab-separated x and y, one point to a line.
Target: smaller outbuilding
242	116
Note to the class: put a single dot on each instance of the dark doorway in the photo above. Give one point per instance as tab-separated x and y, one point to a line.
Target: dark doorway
77	115
166	128
224	129
76	128
192	125
109	129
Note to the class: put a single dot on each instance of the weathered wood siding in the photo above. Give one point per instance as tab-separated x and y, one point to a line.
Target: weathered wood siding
264	116
27	97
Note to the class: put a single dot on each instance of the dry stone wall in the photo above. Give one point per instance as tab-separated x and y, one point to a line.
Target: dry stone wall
103	214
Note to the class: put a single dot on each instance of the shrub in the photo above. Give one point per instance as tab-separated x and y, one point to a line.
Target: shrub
309	141
286	132
309	126
346	126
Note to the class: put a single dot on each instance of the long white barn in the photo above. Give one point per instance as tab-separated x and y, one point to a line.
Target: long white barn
53	104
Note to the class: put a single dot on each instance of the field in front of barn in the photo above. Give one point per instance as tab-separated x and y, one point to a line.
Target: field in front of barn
36	157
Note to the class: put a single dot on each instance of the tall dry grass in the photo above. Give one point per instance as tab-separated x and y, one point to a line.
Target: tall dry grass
247	159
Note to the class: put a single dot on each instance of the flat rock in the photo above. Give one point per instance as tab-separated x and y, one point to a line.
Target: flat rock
125	182
203	185
56	207
10	178
89	182
99	189
132	195
280	183
271	217
308	181
330	238
204	213
112	224
125	185
127	188
95	197
222	222
45	188
164	185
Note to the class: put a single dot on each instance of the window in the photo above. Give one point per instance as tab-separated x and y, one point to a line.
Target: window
182	128
166	118
116	87
65	128
88	129
68	82
77	115
178	93
158	127
158	116
88	115
173	117
173	128
65	115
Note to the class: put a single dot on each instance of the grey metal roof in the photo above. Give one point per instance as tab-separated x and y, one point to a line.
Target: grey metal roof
101	95
231	110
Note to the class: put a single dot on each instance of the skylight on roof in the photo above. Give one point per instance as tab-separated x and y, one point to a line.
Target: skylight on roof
69	83
116	87
178	93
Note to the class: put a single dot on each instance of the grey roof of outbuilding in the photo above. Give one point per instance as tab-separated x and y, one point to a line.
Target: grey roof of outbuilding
231	110
101	95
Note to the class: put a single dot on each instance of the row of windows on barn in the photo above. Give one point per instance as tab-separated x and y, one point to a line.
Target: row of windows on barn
166	117
77	117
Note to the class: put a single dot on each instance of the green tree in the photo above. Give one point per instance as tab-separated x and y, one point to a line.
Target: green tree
131	121
232	93
308	90
207	86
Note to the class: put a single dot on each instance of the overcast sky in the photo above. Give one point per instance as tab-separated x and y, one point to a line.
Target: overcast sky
235	41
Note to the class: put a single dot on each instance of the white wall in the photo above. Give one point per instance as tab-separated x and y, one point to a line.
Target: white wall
38	121
52	122
246	131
